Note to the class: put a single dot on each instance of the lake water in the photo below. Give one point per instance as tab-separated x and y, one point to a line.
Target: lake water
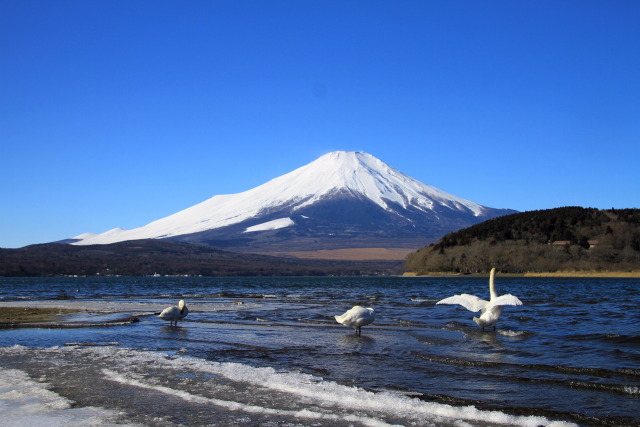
267	351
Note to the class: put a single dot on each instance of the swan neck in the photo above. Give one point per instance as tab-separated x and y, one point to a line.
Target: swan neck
492	284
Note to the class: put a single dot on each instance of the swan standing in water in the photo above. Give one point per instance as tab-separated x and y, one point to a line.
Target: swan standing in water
175	313
491	310
356	318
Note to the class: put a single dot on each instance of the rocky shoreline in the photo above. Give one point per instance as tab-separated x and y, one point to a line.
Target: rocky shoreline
10	315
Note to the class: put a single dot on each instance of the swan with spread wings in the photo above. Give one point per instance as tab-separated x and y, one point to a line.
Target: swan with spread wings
490	310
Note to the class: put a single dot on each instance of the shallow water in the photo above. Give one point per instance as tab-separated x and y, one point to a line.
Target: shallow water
267	351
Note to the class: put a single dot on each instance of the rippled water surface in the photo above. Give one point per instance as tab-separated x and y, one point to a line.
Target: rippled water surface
267	351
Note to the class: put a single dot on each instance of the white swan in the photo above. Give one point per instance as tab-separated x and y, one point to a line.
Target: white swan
356	318
175	313
491	310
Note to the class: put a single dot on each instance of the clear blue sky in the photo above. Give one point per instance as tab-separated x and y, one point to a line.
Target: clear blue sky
117	113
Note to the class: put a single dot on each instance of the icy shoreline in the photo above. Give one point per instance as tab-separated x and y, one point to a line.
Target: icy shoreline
25	402
155	388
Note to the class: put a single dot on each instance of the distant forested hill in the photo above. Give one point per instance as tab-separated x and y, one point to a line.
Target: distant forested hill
146	257
562	239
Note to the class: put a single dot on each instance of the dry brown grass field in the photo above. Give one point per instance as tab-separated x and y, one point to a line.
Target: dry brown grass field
354	254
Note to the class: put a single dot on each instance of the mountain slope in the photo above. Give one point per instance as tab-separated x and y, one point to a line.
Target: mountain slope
342	198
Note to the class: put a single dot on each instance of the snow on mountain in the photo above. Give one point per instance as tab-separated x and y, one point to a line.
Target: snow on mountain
85	236
358	174
276	224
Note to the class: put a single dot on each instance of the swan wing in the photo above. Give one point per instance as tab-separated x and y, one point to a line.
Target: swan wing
170	313
345	318
470	302
357	316
507	299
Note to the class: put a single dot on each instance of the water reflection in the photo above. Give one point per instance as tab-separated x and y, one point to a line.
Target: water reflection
174	331
355	342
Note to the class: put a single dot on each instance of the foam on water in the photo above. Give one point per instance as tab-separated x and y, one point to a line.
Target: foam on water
423	300
510	333
237	406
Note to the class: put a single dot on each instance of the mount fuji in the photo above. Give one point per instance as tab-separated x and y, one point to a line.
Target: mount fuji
341	200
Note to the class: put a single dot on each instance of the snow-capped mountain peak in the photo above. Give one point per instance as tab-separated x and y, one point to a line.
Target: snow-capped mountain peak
379	182
362	174
354	175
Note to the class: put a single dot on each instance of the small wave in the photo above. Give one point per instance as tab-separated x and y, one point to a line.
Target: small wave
596	372
236	295
455	325
632	389
314	321
423	300
90	344
16	298
298	296
615	338
616	388
404	322
629	371
623	339
430	340
626	389
510	333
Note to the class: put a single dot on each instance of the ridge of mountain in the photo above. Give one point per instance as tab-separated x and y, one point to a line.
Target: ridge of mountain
342	199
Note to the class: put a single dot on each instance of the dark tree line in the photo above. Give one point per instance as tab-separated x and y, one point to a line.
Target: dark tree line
147	257
568	238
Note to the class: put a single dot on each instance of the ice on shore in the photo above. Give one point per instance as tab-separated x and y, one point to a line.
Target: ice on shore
28	403
224	391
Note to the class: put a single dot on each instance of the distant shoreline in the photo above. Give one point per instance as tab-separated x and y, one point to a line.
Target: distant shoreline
595	274
589	274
